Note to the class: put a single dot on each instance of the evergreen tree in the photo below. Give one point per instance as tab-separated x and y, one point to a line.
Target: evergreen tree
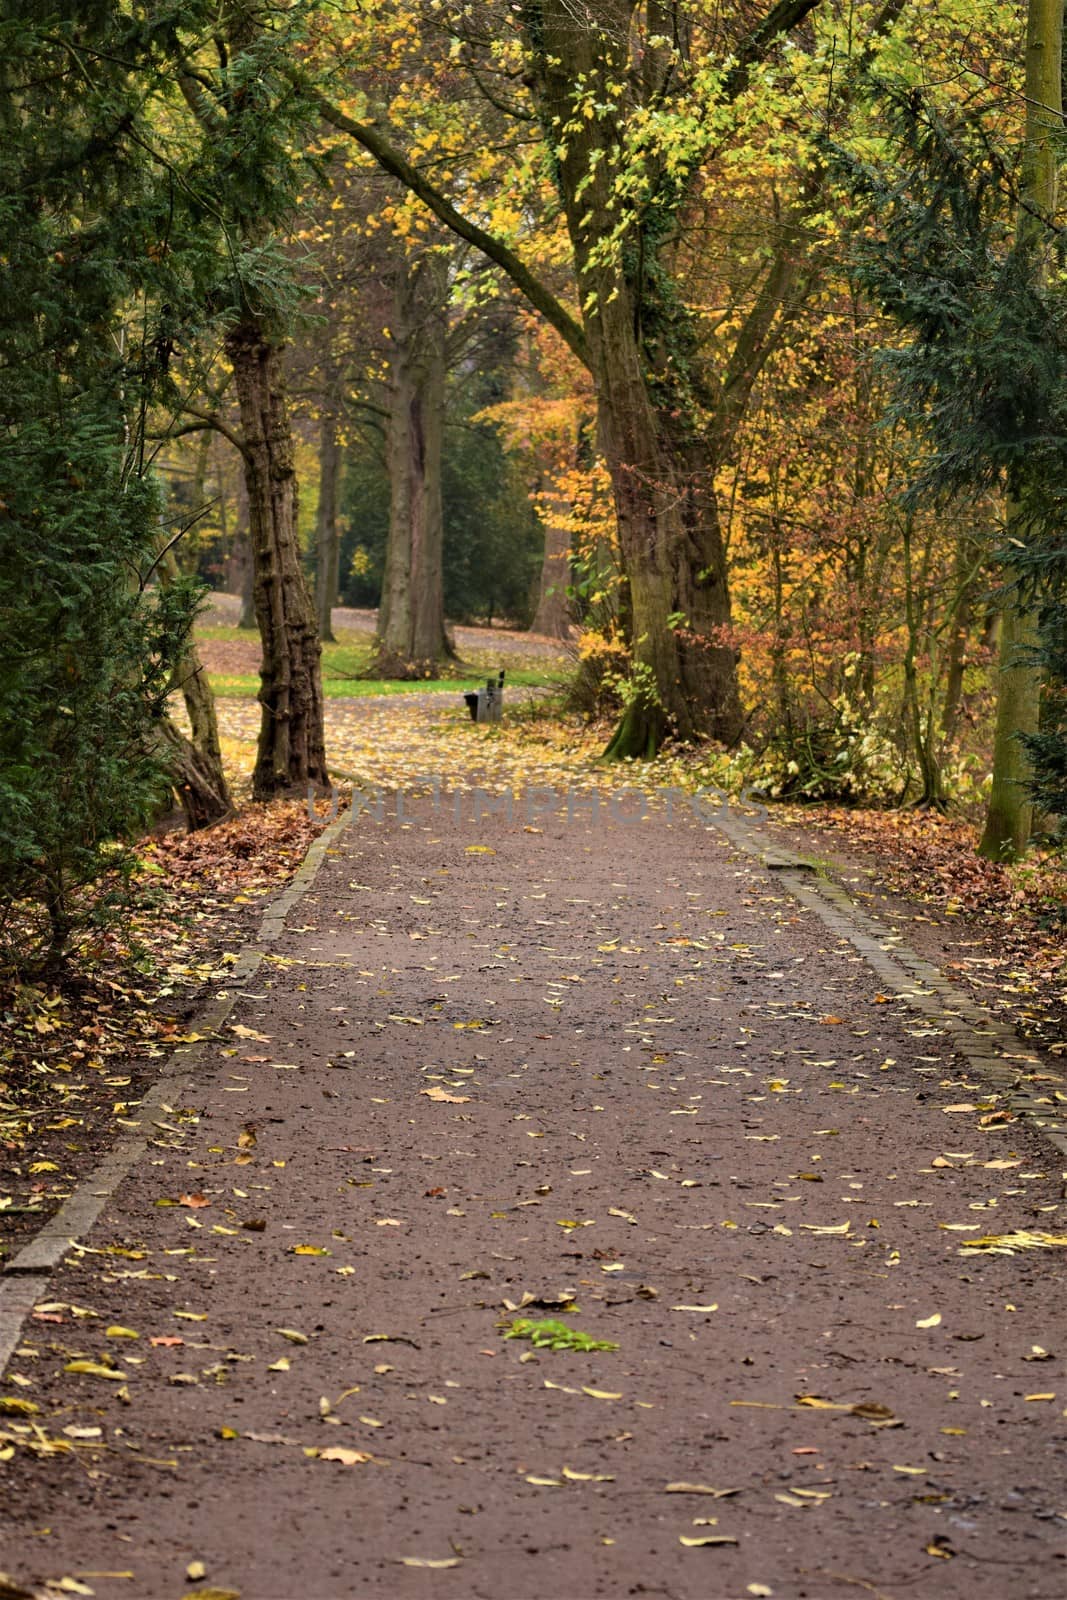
93	270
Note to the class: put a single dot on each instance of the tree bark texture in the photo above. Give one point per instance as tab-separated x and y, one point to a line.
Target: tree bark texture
196	763
291	752
412	640
1009	820
327	532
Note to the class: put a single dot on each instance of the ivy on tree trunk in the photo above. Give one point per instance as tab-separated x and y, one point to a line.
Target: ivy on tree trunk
291	752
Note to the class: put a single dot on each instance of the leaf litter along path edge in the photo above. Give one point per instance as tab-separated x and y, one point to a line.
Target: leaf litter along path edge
671	1089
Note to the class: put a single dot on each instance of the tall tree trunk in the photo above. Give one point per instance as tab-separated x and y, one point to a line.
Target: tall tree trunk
412	640
552	616
1009	820
919	719
654	431
327	534
1009	817
291	751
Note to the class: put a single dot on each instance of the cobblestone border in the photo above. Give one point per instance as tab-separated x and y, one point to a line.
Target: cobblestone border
25	1275
991	1048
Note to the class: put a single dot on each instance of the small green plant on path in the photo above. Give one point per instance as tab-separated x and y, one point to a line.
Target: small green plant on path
549	1334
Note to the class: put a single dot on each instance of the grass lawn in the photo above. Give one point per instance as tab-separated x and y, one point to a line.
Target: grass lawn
231	654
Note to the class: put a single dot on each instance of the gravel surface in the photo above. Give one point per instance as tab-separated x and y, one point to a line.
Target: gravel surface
606	1066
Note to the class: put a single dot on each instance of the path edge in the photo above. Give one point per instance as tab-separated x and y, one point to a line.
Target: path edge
23	1278
992	1050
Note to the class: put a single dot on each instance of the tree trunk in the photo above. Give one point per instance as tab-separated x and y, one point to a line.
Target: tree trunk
200	786
1009	820
327	535
196	764
412	640
291	751
552	616
244	562
919	719
654	420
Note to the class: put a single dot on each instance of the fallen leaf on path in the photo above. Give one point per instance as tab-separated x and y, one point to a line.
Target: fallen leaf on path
705	1539
93	1369
1008	1243
443	1097
698	1488
347	1458
424	1561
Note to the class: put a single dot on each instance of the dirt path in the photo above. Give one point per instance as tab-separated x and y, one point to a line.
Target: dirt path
609	1064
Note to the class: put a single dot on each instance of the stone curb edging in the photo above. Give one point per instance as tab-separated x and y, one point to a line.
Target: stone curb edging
24	1276
990	1047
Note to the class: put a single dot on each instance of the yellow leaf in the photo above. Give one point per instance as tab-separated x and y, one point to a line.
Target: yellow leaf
424	1561
698	1488
705	1539
600	1394
930	1322
713	1307
93	1369
442	1096
196	1569
293	1335
347	1458
115	1332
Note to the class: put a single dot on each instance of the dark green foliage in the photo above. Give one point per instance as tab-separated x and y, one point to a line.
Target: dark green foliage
986	371
87	294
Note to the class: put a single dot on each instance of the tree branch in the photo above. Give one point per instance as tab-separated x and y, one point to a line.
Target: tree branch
785	15
392	161
206	420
